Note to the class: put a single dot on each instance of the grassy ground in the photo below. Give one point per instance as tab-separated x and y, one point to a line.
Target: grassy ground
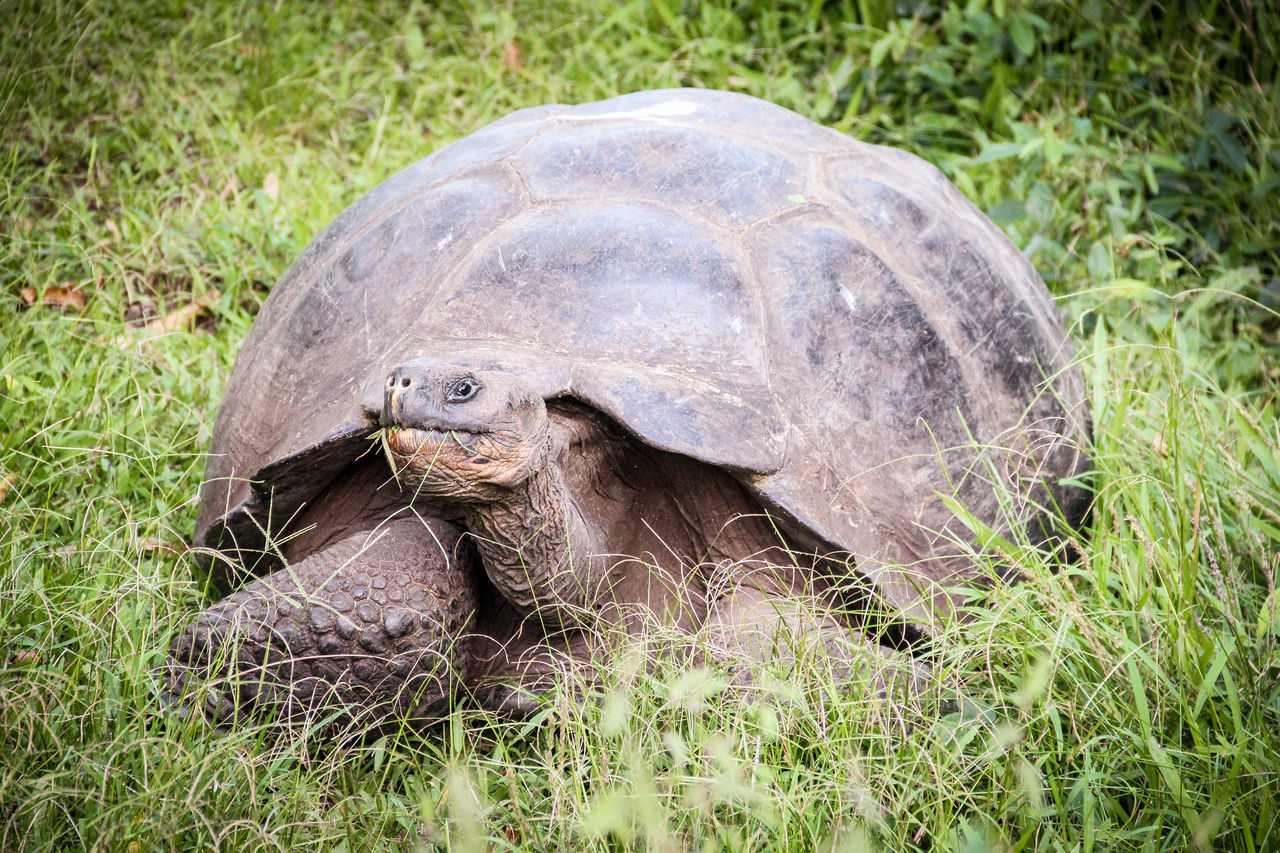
154	155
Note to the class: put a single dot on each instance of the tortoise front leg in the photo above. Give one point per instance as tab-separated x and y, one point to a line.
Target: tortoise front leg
374	626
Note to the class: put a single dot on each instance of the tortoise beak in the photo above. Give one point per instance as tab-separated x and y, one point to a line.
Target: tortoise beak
391	408
408	397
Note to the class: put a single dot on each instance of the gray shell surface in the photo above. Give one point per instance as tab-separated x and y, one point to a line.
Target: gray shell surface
831	321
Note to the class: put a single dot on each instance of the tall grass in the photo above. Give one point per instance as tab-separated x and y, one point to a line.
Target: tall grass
154	154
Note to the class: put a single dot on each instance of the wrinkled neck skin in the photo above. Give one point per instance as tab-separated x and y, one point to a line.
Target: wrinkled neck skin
537	550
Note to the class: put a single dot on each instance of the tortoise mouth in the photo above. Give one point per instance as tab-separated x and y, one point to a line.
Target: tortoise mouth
450	464
421	443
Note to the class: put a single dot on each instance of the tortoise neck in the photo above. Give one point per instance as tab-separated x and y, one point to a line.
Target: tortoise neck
537	550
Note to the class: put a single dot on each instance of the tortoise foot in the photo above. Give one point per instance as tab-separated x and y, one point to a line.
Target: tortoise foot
369	628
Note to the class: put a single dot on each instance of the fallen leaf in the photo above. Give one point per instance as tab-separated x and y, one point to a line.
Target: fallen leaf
6	483
68	297
136	313
179	318
26	656
511	56
156	545
1159	444
271	186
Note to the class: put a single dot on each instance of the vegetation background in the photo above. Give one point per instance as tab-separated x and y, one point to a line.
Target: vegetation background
161	160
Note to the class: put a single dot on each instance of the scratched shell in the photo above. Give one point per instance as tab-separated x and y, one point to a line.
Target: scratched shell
831	321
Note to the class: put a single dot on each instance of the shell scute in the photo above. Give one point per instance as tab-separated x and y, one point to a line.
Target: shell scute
725	179
648	286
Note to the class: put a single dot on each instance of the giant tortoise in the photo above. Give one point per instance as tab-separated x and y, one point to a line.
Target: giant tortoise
678	356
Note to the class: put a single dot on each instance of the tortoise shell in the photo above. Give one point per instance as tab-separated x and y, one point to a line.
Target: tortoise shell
830	321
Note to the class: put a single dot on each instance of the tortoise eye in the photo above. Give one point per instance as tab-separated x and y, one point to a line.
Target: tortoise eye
462	390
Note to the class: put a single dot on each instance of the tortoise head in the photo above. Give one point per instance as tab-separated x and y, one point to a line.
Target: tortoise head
460	434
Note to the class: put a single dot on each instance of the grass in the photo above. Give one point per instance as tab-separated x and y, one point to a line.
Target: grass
154	154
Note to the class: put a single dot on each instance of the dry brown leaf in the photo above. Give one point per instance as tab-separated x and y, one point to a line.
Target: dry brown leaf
1159	444
6	483
179	318
26	656
68	297
183	317
511	56
271	186
156	545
